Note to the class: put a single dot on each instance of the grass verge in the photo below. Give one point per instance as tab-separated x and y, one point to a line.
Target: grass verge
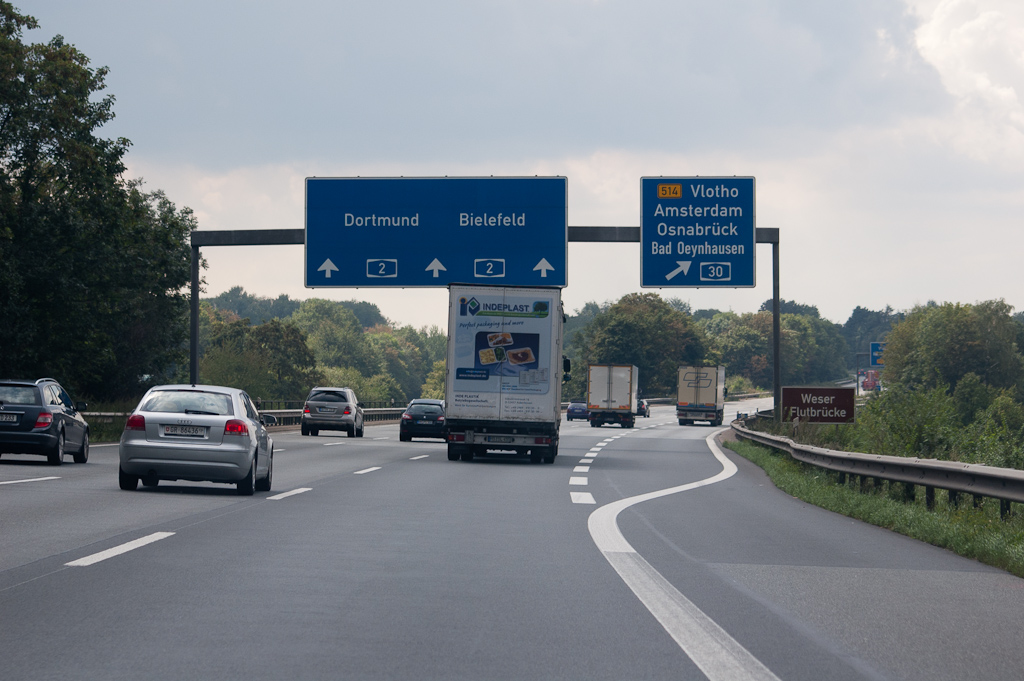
976	533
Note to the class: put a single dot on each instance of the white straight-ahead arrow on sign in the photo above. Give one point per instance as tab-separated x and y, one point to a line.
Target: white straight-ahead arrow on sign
327	268
544	266
435	266
684	267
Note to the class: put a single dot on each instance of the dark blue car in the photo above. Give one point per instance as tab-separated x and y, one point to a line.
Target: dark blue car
577	410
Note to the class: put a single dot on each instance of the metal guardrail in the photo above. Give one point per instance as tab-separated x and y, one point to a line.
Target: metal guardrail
978	480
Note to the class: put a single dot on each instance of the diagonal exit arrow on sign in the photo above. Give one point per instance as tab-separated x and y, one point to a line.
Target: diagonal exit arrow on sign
684	267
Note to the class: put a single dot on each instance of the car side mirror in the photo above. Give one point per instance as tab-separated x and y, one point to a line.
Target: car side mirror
81	406
566	365
268	419
360	405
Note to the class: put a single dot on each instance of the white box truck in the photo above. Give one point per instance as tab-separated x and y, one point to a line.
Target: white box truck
611	394
503	384
701	395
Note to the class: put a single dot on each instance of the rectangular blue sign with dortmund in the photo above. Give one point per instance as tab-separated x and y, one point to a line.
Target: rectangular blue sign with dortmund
697	232
436	231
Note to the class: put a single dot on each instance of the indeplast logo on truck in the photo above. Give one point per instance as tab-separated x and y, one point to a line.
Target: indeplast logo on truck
474	308
697	379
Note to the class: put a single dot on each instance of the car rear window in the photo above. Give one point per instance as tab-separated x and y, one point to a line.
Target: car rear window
327	397
188	402
425	409
19	394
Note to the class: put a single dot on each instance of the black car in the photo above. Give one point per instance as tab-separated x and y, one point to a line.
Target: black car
38	417
422	419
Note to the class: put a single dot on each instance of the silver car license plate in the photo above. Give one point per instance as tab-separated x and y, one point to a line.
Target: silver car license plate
185	431
8	418
500	438
326	410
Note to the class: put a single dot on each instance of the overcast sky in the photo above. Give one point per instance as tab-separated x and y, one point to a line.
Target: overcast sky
885	136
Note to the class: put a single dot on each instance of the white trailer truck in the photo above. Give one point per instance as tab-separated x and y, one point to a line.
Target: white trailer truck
611	394
503	385
701	395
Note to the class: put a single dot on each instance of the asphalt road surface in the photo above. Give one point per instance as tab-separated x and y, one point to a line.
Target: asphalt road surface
642	553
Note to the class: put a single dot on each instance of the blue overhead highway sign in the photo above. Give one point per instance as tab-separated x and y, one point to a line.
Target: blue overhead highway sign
436	231
876	354
697	231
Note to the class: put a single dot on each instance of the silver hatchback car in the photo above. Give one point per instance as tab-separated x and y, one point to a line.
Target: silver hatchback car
198	433
332	409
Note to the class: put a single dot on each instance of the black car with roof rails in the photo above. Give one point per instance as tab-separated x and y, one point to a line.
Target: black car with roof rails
39	417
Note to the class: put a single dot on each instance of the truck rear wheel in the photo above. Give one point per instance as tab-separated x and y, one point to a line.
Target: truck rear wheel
536	456
453	452
467	454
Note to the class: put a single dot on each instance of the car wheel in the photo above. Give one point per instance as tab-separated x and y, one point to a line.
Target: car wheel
359	433
314	432
305	430
125	481
56	455
82	455
351	431
247	485
404	437
263	485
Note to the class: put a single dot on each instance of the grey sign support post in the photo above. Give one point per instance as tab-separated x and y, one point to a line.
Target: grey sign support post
291	237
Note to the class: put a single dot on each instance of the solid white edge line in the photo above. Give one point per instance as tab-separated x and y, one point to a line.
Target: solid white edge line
15	482
118	550
285	495
719	656
367	470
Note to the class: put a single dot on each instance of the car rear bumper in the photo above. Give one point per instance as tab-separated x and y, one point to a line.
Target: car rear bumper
422	431
27	443
220	463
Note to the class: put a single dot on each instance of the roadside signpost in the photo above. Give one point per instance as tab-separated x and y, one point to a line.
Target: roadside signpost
697	232
436	231
818	405
876	359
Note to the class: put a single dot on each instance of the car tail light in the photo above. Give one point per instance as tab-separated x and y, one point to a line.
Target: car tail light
44	419
135	422
305	409
406	417
348	410
236	427
456	437
440	419
541	440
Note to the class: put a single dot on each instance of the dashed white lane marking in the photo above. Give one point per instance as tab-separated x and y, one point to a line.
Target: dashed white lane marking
367	470
15	482
118	550
581	469
331	444
587	460
577	480
381	438
421	456
715	653
582	498
285	495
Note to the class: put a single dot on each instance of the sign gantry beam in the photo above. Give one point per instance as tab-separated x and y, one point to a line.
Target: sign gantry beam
592	234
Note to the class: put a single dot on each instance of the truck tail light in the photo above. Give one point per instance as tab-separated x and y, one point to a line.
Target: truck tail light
541	440
456	437
44	419
135	422
236	427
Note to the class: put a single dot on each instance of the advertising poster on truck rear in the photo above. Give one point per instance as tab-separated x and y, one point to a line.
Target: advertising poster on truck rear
500	353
